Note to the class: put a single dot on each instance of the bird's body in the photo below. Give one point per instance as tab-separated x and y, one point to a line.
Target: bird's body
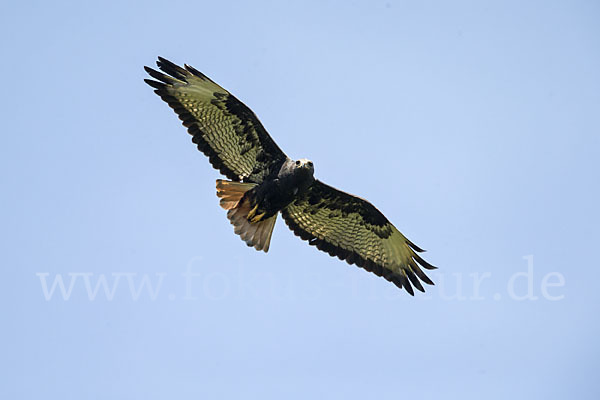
264	182
293	179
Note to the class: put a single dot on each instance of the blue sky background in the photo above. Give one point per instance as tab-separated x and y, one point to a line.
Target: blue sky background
474	126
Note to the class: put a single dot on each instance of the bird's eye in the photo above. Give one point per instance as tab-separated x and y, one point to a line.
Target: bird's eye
310	163
298	162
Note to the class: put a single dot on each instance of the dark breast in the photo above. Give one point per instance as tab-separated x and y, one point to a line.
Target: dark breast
275	194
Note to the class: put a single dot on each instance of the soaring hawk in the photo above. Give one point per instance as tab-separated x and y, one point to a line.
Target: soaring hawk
263	182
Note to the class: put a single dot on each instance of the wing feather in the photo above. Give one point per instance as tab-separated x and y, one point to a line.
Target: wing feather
222	127
354	230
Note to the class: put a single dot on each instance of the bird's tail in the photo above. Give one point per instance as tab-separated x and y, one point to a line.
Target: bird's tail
255	231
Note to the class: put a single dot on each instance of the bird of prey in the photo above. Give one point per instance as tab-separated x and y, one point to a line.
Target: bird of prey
264	182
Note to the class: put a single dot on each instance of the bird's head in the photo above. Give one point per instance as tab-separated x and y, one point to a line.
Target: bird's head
298	172
304	165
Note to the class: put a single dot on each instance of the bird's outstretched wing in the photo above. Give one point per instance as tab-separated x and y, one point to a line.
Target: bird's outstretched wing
224	129
354	230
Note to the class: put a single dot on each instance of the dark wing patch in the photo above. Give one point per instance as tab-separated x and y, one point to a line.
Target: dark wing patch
354	230
224	129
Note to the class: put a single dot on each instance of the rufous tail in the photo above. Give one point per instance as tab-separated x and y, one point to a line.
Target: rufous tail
255	234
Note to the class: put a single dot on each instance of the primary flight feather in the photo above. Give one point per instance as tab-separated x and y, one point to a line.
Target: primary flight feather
263	182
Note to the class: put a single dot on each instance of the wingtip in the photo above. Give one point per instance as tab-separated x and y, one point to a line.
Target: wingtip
197	73
163	61
154	84
415	247
423	263
172	69
415	281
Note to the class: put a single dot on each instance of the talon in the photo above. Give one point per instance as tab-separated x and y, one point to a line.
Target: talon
252	212
257	218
